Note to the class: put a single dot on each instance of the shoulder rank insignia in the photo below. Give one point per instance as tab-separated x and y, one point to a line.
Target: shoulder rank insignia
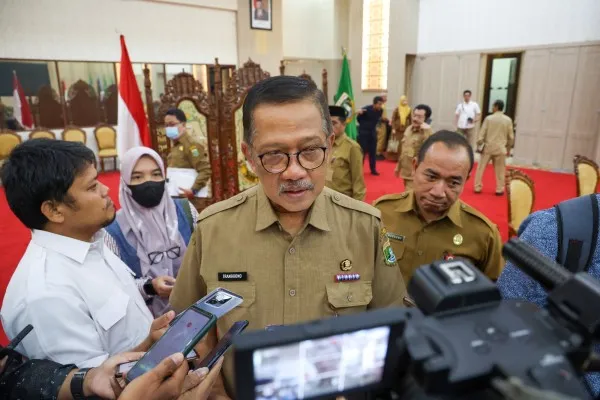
194	150
388	253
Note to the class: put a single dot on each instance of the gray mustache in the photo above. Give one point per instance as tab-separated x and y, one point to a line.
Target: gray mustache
295	186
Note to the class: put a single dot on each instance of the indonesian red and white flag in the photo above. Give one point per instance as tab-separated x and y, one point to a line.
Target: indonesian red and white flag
132	127
21	110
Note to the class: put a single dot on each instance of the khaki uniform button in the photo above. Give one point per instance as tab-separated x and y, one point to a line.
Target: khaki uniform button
292	250
292	292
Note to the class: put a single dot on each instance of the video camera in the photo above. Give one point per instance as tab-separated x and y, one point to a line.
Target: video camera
463	342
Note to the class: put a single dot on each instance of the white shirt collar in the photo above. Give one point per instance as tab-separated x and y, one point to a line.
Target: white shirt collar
74	249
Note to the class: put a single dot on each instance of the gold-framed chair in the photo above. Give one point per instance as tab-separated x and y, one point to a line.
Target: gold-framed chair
520	192
586	172
41	133
74	134
8	141
106	138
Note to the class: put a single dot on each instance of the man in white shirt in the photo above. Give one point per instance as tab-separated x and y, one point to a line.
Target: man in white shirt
79	297
468	114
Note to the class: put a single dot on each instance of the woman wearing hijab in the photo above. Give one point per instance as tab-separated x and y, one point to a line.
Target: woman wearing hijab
400	120
151	230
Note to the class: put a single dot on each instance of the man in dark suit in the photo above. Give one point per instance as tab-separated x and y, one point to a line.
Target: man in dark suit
259	12
368	118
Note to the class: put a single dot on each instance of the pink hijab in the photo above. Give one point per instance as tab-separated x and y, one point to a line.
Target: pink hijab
149	229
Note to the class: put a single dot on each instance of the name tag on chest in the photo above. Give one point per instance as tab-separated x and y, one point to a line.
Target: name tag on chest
232	276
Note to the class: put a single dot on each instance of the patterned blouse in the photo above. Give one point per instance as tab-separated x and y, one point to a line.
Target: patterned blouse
34	380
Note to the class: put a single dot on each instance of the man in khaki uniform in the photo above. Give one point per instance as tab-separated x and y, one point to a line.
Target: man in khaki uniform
382	131
186	152
413	138
497	138
430	223
345	173
300	251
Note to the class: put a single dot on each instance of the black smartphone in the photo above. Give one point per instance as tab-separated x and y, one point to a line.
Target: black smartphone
181	337
224	344
123	368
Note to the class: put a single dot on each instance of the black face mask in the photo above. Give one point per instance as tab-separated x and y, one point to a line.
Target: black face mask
148	194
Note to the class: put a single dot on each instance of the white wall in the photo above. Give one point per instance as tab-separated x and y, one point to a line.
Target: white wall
311	29
263	47
463	25
89	30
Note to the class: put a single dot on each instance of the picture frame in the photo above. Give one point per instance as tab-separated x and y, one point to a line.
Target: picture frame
261	14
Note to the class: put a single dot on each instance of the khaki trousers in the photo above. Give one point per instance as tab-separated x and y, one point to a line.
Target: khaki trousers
469	133
381	135
499	161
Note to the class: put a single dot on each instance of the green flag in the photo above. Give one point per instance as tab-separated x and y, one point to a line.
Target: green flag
345	98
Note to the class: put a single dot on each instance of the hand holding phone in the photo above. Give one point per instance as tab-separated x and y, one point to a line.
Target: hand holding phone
221	348
181	337
164	382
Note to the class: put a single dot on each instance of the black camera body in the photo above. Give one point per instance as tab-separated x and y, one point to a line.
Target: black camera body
470	336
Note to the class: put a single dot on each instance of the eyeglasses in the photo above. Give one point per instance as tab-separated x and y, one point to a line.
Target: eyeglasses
275	162
157	256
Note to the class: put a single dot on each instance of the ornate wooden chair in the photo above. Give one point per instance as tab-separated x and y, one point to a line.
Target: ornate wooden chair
106	137
74	134
42	133
521	198
586	172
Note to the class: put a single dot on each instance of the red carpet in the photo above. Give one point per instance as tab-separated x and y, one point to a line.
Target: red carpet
550	188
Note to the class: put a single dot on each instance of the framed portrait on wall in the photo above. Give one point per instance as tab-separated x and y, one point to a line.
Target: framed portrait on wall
261	14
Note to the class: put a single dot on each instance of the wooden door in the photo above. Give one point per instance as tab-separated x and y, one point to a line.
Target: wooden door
584	122
557	103
532	91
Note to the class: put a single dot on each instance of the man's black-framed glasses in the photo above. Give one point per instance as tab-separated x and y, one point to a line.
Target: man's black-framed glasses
275	162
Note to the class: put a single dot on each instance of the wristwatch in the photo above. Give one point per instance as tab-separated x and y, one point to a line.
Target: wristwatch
149	288
77	384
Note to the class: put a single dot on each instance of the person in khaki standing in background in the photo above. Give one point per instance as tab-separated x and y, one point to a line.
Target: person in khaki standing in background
382	130
497	138
186	152
345	173
294	249
430	223
414	136
400	120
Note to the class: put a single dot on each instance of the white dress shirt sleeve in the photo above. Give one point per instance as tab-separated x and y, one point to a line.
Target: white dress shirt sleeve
477	109
63	316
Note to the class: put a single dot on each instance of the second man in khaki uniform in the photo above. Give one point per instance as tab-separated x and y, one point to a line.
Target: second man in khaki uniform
345	173
414	136
299	251
497	138
430	223
186	152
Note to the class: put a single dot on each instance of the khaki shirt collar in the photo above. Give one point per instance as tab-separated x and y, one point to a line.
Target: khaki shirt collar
409	204
340	140
184	139
266	216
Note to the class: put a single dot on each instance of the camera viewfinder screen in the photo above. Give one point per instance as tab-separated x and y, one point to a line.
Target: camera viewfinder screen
322	366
